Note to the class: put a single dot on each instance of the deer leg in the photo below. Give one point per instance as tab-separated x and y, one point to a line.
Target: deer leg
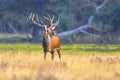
58	51
45	52
52	53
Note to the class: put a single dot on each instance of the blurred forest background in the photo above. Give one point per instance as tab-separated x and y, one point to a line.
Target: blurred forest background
81	21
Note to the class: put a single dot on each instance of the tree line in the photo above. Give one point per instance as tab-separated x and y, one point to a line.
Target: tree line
14	14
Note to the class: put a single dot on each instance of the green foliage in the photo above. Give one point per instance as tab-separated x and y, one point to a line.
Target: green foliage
116	18
14	18
71	13
16	11
111	17
67	22
13	12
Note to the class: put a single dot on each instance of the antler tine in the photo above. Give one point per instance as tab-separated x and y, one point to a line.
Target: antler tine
42	23
37	22
57	21
37	18
32	16
51	18
46	18
55	24
29	16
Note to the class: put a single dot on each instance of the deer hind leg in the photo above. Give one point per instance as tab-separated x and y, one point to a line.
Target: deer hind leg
52	53
58	51
45	52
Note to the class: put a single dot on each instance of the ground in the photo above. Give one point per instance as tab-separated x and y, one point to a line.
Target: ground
75	65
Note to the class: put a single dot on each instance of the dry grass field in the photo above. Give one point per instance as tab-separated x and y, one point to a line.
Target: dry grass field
79	62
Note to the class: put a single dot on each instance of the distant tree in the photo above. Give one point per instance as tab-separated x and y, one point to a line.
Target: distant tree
110	17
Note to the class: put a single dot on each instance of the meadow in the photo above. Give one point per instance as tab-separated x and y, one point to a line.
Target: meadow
22	61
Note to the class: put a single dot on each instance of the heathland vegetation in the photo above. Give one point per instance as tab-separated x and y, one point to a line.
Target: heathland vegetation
79	62
81	21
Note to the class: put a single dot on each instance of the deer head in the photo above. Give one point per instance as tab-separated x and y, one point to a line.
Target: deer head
48	28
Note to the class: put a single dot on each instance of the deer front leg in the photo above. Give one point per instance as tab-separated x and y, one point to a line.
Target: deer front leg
52	53
58	51
45	52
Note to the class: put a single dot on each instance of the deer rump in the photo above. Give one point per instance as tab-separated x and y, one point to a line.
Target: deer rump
51	44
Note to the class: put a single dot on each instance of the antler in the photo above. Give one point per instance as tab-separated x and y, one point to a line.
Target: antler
37	22
41	23
51	20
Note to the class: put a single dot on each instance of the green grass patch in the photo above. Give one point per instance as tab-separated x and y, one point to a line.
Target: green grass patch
20	47
91	48
67	49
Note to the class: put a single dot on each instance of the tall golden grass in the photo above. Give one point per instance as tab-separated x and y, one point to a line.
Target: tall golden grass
20	65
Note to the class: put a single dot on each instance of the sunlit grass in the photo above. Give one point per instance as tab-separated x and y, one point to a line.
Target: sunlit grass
79	62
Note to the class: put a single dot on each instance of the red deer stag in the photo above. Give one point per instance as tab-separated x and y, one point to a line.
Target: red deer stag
50	41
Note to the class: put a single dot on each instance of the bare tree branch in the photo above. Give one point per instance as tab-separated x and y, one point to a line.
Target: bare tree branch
88	25
14	30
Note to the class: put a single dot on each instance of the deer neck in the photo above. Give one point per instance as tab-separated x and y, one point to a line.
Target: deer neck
47	39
